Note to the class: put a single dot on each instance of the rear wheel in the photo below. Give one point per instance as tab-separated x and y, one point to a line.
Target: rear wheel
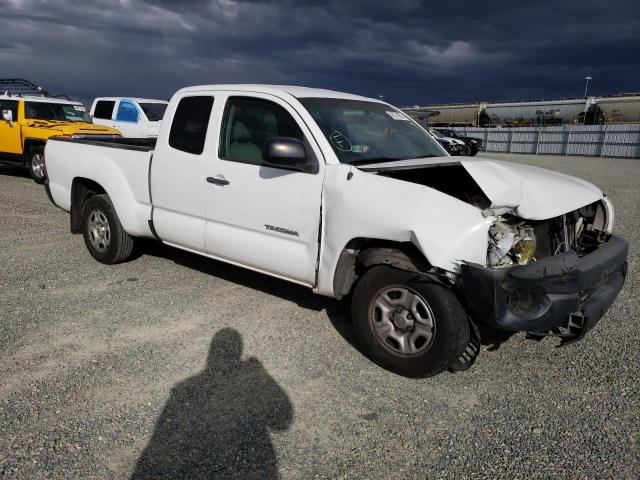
103	234
35	164
408	324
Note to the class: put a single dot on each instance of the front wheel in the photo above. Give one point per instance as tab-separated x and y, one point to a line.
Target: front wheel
35	164
103	234
407	323
465	150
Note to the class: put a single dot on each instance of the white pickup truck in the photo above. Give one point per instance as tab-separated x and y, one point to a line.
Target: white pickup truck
351	198
134	117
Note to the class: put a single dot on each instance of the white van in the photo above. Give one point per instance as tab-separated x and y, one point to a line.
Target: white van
134	117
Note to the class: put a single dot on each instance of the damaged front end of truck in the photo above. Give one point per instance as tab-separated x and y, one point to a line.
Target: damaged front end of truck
554	277
552	265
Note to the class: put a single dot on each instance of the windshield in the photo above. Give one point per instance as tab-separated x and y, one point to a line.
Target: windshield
154	111
436	133
366	132
56	111
448	133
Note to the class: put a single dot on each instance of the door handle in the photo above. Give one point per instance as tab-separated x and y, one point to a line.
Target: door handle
218	181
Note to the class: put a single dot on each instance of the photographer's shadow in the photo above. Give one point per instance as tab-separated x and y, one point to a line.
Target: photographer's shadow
216	424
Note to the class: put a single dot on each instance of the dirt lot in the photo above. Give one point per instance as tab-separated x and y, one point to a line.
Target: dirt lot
177	362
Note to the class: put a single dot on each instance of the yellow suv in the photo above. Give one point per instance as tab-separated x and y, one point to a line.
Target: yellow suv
30	116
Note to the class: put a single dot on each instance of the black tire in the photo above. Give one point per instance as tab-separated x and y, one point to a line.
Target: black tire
474	151
35	164
115	247
450	332
465	150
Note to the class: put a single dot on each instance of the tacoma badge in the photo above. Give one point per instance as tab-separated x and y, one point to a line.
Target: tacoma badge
281	230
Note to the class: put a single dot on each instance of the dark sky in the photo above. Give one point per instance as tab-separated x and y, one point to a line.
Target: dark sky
409	51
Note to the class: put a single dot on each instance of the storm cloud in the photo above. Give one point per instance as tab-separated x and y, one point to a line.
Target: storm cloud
409	51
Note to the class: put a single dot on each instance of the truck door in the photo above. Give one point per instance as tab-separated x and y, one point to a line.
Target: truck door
128	119
178	173
103	113
10	138
259	216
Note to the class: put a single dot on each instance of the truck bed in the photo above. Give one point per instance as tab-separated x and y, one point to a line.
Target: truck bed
119	166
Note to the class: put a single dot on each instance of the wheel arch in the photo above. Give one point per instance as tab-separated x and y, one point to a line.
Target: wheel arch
360	254
81	189
29	143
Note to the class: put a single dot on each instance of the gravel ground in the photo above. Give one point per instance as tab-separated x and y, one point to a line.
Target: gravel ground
183	363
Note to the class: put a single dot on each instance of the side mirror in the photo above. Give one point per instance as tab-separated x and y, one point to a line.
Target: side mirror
286	152
7	116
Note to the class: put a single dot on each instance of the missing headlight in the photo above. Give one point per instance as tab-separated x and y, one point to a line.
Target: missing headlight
510	244
514	241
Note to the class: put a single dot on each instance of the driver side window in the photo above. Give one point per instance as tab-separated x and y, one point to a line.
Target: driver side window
10	105
248	123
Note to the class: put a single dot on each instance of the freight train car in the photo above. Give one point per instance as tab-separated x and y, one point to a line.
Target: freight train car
460	115
536	113
623	108
620	108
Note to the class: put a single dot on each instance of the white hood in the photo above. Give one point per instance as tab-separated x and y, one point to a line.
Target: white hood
533	193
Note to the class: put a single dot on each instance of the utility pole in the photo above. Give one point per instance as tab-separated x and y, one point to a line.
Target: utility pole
587	78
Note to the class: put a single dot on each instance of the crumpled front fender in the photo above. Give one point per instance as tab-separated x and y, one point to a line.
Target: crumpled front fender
447	231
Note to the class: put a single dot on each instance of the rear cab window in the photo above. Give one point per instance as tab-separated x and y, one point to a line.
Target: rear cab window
104	109
190	123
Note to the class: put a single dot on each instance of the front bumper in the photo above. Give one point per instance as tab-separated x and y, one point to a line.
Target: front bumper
562	295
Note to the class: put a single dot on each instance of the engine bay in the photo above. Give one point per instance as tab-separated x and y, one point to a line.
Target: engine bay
514	241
